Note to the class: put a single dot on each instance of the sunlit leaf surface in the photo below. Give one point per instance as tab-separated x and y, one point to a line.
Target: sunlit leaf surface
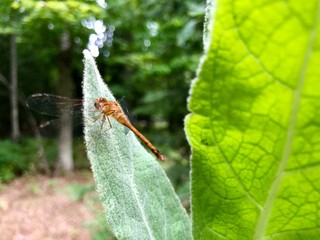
255	123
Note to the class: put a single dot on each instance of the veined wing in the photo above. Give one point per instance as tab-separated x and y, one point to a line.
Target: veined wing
54	105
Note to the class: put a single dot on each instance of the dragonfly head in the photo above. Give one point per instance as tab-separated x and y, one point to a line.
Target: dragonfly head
99	103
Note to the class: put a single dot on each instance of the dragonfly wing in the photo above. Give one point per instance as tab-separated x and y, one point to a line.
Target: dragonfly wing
53	105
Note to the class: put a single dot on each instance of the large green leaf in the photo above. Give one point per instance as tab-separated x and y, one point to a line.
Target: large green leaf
138	198
255	123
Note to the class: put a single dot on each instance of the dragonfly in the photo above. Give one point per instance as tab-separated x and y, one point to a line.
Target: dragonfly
54	105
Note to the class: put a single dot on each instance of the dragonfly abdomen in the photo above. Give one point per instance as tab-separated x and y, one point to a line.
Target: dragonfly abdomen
146	141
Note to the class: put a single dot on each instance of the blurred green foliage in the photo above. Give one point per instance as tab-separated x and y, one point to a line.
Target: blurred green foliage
154	53
16	159
19	158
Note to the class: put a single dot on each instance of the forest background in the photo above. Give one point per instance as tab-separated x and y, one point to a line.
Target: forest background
141	53
146	51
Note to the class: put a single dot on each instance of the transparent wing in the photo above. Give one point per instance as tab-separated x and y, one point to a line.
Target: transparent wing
124	106
53	105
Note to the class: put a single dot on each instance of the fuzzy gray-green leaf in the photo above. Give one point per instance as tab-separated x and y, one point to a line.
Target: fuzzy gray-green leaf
138	198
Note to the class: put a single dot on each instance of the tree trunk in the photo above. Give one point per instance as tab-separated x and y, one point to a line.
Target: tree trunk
65	89
65	143
15	131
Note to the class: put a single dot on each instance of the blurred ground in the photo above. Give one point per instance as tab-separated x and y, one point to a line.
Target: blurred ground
39	207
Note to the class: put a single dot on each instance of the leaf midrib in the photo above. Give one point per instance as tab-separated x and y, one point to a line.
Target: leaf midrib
297	94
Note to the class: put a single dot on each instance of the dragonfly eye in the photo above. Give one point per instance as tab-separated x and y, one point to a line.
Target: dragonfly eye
96	104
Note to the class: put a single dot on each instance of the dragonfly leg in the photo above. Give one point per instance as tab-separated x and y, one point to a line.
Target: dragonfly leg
95	110
101	125
110	126
96	119
92	121
102	122
104	117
